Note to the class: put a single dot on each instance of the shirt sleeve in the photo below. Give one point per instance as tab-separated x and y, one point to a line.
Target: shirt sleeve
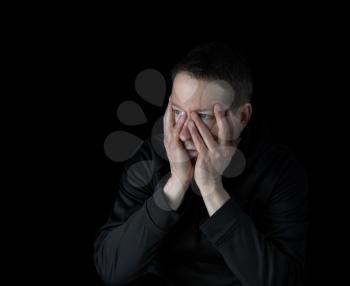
141	217
272	255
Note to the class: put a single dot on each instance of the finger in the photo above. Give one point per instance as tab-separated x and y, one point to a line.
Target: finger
168	118
179	124
197	140
204	131
223	126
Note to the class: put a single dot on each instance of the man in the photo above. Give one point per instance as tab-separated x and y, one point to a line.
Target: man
222	205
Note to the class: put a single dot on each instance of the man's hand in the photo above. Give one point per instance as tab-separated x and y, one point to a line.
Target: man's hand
213	156
180	164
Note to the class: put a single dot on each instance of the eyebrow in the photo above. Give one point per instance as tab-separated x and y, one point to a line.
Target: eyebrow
201	110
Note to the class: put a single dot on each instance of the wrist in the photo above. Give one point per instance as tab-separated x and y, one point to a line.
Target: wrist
181	185
211	188
174	192
214	198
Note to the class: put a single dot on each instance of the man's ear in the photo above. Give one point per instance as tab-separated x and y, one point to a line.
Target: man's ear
244	113
241	117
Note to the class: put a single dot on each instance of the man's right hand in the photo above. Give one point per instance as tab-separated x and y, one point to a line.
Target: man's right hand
180	163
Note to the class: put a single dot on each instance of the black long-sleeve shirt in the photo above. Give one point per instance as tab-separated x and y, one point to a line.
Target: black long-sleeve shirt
257	237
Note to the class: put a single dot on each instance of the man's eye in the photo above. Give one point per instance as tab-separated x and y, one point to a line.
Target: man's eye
205	116
177	112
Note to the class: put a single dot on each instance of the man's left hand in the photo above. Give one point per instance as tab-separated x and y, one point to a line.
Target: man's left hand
213	155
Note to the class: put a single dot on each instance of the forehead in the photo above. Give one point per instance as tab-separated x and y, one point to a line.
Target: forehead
200	94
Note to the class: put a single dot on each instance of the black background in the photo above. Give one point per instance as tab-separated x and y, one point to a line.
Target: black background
88	65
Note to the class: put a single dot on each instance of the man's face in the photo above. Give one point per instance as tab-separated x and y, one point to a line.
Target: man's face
193	95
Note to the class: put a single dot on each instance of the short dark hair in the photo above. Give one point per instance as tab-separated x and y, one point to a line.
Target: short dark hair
217	61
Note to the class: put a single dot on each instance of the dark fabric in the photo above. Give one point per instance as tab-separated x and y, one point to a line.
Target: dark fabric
257	237
147	279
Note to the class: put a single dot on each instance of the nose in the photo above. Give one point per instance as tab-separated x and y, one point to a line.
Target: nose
185	133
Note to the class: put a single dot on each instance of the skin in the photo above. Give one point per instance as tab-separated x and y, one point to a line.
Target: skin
200	117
